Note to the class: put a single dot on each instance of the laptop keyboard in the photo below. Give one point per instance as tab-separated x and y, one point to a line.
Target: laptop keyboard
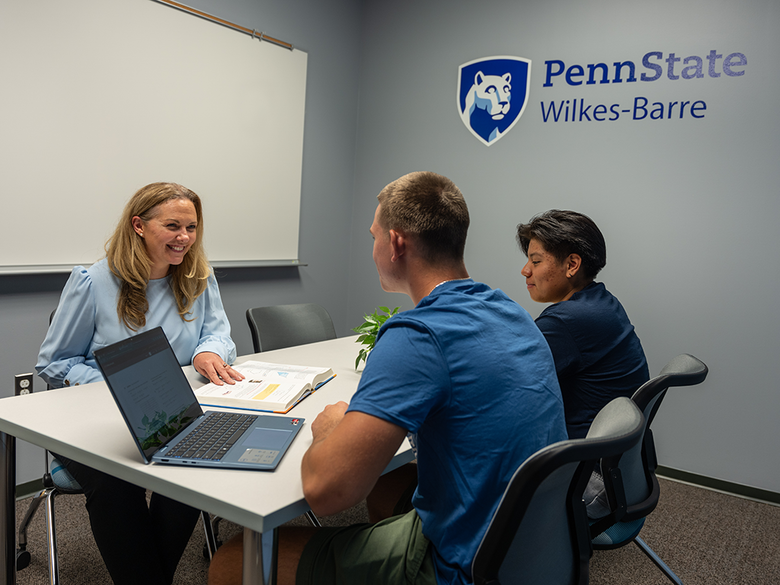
214	437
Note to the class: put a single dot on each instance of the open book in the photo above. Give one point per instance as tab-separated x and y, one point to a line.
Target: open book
267	387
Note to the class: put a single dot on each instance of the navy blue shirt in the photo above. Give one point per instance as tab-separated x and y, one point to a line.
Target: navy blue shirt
597	354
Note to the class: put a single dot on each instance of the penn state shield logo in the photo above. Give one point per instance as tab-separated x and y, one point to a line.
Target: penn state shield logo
492	95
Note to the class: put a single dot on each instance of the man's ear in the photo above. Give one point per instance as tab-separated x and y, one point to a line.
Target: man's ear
573	265
397	244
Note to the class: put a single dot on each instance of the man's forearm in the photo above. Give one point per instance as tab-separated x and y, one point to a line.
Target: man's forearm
347	455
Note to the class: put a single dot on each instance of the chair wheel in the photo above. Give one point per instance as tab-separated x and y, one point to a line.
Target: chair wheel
23	559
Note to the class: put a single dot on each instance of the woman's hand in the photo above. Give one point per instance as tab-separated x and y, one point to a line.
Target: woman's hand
213	367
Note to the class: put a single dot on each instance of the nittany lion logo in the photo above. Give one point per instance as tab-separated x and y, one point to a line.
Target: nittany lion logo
492	95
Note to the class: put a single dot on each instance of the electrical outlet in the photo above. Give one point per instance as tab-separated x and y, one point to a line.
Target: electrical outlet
23	384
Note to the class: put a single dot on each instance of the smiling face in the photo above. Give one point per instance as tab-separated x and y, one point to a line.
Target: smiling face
546	277
169	234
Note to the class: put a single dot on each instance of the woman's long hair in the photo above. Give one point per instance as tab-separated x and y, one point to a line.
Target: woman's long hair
129	260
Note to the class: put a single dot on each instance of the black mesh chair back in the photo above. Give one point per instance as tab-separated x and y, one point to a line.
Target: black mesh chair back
631	486
280	326
539	532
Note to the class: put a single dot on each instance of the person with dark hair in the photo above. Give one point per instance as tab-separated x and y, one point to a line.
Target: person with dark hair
155	273
597	353
465	372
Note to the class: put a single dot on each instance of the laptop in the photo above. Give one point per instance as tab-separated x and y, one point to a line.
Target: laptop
167	423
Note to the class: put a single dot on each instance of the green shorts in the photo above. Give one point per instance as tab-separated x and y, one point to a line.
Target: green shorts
391	552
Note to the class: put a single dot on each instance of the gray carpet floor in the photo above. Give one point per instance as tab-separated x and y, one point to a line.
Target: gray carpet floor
706	537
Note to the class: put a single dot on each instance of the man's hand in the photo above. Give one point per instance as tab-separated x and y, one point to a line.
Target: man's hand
327	420
211	366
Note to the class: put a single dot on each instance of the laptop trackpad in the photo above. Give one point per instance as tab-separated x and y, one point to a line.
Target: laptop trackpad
263	445
261	438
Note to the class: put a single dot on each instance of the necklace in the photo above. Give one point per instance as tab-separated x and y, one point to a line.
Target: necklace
450	280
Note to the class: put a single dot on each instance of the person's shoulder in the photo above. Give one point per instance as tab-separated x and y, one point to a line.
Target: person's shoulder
81	275
595	291
593	295
599	300
593	309
79	284
99	267
79	272
414	318
469	288
100	274
476	306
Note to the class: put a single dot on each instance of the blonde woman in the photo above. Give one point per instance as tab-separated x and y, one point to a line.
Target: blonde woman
155	273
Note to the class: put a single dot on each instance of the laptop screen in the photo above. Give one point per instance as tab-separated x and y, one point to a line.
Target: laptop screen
150	388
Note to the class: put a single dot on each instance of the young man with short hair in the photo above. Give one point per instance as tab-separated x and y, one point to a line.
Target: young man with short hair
466	374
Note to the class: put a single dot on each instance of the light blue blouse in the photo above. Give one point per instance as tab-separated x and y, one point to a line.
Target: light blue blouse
86	320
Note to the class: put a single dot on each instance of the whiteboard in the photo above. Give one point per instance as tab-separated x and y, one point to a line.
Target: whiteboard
101	98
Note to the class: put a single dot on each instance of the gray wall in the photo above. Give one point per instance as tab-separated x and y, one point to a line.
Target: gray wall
687	206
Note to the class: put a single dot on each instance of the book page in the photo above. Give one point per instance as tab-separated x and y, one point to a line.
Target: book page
266	386
268	389
268	370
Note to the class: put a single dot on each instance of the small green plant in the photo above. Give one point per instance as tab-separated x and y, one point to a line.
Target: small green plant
369	329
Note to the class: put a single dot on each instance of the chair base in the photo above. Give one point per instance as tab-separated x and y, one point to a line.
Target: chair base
657	560
211	529
23	557
621	533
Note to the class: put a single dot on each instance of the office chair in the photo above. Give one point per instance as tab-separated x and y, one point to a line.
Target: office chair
56	481
282	326
539	532
631	488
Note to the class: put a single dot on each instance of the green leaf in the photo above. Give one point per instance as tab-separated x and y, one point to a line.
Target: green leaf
369	329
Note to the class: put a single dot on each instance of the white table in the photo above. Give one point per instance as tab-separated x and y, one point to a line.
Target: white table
83	423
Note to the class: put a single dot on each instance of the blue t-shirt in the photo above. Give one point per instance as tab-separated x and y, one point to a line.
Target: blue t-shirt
86	320
468	372
597	353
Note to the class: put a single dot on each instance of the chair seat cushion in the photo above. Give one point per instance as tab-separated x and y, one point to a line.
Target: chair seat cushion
62	478
618	535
